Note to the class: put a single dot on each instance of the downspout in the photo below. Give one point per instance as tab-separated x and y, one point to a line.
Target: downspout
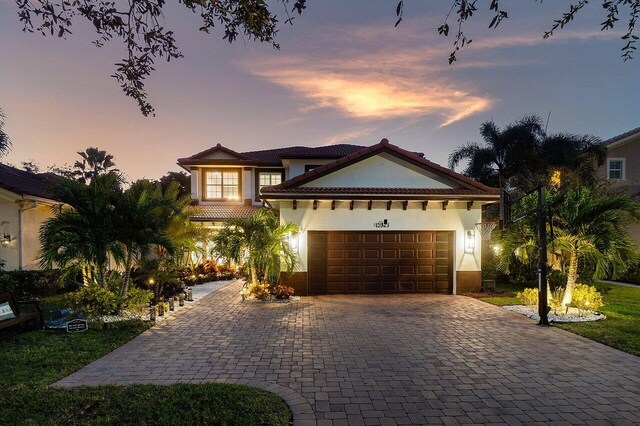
20	235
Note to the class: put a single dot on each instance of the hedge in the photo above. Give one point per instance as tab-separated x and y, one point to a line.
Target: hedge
35	283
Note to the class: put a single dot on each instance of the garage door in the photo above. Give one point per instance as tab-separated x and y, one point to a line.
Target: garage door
380	262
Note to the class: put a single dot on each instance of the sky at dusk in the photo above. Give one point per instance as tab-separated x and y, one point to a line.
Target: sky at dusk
344	74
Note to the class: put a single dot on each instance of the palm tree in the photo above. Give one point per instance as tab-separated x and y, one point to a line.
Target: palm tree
261	242
590	236
94	162
5	142
141	224
591	232
505	153
523	151
81	236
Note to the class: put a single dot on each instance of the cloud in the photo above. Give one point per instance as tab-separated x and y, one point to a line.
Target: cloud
376	73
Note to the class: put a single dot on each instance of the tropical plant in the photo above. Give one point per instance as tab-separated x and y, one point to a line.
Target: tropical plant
587	298
5	142
81	235
94	162
529	296
523	154
590	236
261	242
142	216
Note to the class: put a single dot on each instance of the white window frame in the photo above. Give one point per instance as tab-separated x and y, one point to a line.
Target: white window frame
623	164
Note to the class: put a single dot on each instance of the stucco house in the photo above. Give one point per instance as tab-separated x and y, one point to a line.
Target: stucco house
622	167
375	219
25	203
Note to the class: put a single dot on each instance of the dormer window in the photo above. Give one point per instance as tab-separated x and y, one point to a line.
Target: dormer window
222	184
615	168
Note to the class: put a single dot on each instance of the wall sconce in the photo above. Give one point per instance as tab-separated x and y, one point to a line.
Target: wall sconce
469	241
6	240
293	241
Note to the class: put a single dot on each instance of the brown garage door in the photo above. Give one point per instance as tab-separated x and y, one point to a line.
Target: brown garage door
380	262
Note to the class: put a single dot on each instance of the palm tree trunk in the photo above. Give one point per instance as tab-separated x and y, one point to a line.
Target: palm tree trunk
572	277
127	274
254	272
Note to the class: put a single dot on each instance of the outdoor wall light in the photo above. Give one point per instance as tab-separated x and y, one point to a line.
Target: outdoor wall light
6	240
469	241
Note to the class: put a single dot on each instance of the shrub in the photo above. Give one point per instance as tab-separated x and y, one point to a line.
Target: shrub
137	300
586	298
27	284
529	296
94	300
555	300
260	291
283	291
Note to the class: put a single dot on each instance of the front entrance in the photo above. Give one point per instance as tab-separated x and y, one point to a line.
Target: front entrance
380	262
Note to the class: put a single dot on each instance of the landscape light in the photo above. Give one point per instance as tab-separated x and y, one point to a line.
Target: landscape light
6	240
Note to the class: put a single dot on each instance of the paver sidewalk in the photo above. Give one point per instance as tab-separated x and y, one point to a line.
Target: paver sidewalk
385	359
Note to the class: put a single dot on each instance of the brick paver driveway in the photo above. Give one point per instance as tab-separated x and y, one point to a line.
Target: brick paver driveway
388	359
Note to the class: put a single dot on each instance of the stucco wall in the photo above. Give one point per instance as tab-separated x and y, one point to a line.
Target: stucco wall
26	239
456	218
630	152
381	171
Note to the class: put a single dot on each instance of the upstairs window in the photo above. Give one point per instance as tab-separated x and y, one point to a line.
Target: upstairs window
615	168
222	184
268	178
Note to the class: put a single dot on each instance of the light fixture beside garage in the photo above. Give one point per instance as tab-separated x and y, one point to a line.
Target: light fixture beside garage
293	241
469	241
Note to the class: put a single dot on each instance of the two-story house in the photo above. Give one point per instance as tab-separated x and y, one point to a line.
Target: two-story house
622	167
371	219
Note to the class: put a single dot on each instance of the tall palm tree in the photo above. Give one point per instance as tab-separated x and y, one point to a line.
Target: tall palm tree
94	162
524	152
81	236
506	151
141	224
5	142
259	241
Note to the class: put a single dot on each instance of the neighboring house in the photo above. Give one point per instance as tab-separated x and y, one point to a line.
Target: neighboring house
372	219
622	167
25	203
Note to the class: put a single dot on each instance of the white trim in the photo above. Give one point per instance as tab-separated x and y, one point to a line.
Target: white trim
623	172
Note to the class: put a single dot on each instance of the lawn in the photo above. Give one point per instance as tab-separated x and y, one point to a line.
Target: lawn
33	360
620	330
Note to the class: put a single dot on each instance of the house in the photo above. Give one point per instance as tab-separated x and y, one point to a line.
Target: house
372	219
25	203
622	167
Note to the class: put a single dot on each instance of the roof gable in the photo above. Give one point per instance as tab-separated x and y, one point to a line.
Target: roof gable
438	176
382	170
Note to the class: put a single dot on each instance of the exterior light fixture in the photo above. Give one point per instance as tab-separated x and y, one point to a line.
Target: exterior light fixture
181	299
189	294
220	261
6	240
469	241
496	249
172	304
152	312
152	281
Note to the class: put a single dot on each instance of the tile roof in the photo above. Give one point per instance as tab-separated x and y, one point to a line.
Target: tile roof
622	136
22	182
223	212
377	191
273	157
383	146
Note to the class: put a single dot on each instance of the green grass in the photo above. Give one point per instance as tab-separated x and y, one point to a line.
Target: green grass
620	330
33	360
